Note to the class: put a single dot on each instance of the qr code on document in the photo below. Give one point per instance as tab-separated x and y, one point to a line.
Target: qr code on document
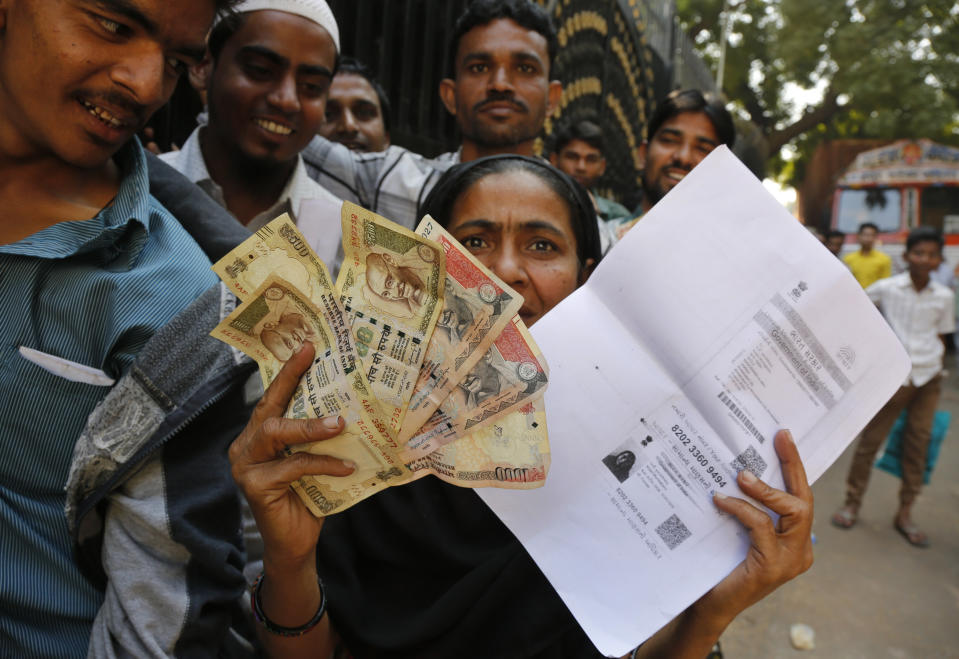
750	460
673	531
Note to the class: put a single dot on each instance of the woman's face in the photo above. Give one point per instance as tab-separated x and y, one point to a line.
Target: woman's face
521	230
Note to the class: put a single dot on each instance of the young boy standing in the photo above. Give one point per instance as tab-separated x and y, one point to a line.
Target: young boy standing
868	264
920	311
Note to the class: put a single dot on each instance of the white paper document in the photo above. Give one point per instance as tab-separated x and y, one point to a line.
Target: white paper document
715	322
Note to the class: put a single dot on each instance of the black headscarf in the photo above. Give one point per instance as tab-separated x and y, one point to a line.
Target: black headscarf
459	178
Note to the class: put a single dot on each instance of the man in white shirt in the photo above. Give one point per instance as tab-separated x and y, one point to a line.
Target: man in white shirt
268	77
920	312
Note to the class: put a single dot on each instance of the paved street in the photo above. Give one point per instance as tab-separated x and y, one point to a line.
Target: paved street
870	595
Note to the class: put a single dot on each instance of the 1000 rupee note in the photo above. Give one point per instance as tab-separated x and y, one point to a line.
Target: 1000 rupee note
511	453
511	374
270	327
477	306
391	287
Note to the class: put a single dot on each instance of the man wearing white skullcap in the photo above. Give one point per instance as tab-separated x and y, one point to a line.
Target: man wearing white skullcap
267	80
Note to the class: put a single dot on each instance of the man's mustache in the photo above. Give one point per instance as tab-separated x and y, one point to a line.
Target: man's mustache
495	98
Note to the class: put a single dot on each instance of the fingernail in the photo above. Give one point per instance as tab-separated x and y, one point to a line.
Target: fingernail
719	495
350	464
789	435
332	422
748	477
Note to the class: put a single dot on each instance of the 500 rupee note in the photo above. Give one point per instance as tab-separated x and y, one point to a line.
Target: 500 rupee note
270	327
511	374
391	287
477	305
276	249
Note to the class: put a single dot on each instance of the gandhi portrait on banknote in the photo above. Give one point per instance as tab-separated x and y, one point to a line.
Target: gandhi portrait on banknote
286	336
395	285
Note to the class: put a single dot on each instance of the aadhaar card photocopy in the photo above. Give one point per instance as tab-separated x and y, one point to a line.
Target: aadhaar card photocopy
717	321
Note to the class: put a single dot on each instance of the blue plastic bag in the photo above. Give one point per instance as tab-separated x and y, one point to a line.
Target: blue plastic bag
891	459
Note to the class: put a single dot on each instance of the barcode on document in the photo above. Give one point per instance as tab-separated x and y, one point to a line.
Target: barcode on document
739	414
673	531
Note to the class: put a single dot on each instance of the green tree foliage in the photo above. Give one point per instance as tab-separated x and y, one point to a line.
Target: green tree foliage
885	69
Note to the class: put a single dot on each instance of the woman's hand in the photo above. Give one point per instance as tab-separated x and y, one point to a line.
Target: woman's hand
264	472
778	552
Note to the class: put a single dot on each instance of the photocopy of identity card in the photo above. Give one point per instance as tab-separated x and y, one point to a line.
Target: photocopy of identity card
715	322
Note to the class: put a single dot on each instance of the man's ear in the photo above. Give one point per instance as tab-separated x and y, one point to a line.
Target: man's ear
602	166
448	94
642	154
555	94
199	74
554	159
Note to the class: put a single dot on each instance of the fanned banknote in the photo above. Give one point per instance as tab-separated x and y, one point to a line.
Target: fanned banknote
391	287
509	375
511	453
378	355
276	249
477	305
270	326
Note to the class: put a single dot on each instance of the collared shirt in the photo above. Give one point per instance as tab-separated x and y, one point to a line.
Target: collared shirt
189	161
91	293
610	210
392	183
868	268
918	318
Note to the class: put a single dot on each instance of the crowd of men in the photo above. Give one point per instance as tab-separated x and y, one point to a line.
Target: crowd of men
106	286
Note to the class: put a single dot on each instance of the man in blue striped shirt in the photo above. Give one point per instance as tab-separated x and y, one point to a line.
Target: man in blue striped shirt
91	268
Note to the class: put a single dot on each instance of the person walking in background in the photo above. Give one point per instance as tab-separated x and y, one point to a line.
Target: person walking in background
868	264
920	312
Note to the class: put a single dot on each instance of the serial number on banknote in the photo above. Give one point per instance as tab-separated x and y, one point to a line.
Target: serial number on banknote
697	455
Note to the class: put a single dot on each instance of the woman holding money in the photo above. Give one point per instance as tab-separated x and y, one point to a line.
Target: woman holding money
426	569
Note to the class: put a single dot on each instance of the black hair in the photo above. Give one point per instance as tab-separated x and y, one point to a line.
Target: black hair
584	130
354	66
693	100
867	225
836	233
459	178
922	235
523	12
224	6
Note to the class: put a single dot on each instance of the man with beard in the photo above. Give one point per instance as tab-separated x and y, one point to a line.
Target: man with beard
267	80
685	128
500	92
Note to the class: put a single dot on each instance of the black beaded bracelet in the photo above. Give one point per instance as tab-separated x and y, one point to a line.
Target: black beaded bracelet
279	630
